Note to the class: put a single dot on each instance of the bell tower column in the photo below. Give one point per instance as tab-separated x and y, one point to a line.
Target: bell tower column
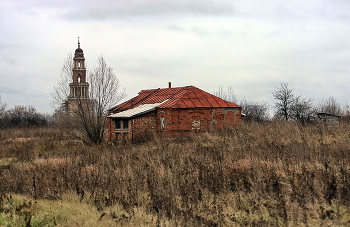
79	88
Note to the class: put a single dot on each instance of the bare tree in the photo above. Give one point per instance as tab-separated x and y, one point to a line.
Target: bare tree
85	119
346	110
330	106
254	111
301	109
61	91
346	114
288	105
24	116
283	99
2	107
227	94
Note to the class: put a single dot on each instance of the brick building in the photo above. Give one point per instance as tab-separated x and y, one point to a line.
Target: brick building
79	88
171	112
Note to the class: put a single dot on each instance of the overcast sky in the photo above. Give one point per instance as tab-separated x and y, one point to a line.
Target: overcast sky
252	46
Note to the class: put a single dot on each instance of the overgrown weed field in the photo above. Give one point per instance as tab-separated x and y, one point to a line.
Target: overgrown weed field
271	174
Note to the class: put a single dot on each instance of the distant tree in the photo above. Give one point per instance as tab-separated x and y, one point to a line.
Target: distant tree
283	97
346	111
87	119
3	107
62	90
330	106
227	94
301	109
346	114
254	111
288	105
25	116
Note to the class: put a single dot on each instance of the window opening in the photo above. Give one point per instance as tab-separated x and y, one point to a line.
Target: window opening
125	124
121	124
117	124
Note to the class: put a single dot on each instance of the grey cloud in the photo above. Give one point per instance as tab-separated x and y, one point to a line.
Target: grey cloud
301	42
281	11
111	9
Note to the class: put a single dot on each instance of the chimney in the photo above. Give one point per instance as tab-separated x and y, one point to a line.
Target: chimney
169	84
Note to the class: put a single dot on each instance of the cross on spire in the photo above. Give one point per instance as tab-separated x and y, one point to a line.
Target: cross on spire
78	42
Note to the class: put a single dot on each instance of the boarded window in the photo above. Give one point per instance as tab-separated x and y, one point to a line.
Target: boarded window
196	124
162	123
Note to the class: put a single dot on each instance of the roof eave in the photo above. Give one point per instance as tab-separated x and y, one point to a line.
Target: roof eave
133	116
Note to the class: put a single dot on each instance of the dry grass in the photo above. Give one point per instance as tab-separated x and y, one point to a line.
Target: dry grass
273	174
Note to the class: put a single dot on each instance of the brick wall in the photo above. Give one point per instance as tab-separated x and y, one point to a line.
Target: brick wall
198	119
138	127
174	122
144	125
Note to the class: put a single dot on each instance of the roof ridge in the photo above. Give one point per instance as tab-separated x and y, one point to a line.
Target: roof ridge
178	97
166	88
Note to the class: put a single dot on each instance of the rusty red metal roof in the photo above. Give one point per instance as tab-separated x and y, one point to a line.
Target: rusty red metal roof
178	97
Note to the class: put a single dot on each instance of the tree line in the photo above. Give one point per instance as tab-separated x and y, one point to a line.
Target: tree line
286	105
22	117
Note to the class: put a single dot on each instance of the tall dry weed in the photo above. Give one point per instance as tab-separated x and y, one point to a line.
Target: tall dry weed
271	174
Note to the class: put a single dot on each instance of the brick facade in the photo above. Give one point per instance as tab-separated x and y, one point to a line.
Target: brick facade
137	127
174	122
171	112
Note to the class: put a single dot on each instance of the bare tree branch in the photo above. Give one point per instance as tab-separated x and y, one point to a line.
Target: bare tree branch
330	106
227	94
288	105
61	90
254	111
84	117
3	107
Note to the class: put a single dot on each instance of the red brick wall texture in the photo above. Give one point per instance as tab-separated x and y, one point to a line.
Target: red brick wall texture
173	122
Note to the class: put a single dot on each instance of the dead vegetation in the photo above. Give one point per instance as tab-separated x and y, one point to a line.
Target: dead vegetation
271	174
